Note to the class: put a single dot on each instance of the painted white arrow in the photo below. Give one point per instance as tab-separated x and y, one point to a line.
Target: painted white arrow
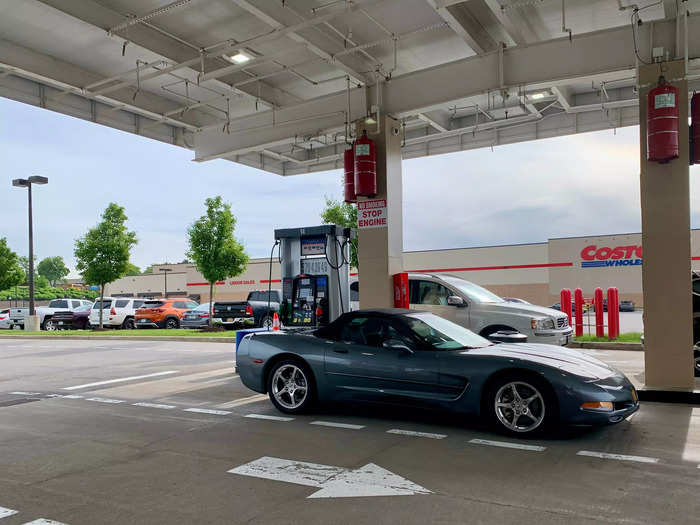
334	482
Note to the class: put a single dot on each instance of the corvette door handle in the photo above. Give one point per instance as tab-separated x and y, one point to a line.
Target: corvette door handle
340	351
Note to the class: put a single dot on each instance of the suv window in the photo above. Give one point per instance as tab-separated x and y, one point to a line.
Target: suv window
180	304
152	304
106	304
138	304
428	292
121	303
58	303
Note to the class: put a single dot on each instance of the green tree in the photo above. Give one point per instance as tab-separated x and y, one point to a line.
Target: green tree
11	272
24	264
53	268
148	269
102	254
212	247
343	214
132	269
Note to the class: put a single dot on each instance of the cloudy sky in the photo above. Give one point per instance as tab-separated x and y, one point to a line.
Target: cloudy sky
578	185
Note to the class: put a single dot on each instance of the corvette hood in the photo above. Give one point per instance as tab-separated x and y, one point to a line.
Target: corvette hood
565	359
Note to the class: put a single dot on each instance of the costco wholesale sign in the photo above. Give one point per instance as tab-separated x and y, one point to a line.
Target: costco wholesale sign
371	214
603	256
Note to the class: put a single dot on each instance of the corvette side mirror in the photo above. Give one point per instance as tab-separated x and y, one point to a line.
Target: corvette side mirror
395	344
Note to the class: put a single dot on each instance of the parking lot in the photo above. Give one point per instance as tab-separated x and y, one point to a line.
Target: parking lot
149	432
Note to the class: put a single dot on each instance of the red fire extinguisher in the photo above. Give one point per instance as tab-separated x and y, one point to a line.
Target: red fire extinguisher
695	129
365	166
349	163
662	122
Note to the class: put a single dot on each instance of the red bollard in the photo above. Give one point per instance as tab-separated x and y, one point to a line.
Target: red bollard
578	304
617	312
611	314
565	298
598	304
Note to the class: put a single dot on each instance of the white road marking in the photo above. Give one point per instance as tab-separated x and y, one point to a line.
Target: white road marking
25	393
243	401
416	434
5	512
154	405
334	482
105	400
508	444
208	411
43	521
620	457
72	396
337	425
271	418
121	380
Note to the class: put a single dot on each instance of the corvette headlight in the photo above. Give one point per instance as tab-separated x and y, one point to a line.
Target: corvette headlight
542	324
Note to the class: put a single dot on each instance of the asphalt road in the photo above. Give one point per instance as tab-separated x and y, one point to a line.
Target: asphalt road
158	450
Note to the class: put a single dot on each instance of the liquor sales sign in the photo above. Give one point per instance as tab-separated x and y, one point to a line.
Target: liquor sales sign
371	214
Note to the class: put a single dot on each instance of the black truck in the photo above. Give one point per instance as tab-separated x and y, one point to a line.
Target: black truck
254	311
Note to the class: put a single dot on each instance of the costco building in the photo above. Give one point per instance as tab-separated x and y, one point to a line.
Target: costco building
535	272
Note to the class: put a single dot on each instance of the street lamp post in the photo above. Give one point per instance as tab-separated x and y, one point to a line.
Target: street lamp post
27	183
165	276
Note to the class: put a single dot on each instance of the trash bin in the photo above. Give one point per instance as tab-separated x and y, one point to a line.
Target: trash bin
507	336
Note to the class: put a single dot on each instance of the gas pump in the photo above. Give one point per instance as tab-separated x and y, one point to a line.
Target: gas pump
315	270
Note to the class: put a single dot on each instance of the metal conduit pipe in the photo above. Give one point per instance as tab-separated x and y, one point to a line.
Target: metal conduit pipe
148	16
355	49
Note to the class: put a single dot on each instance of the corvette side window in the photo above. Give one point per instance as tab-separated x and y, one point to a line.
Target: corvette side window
352	332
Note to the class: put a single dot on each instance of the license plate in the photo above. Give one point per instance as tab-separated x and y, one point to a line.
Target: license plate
60	322
143	320
229	320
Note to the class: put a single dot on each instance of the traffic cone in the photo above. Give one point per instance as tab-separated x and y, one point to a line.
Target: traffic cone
275	322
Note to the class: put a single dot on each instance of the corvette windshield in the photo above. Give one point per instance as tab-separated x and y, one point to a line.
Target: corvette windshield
473	291
443	334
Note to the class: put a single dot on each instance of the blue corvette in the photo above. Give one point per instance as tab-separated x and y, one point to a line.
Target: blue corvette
419	359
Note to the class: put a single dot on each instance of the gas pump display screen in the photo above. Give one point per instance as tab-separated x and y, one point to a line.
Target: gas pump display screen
313	245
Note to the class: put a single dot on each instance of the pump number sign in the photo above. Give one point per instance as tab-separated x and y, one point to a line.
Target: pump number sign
372	214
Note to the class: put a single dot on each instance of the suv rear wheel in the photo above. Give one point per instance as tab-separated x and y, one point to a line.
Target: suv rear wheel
128	323
172	323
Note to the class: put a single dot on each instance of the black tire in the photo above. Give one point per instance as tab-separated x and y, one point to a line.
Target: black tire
172	323
696	360
529	419
265	322
48	325
128	323
294	403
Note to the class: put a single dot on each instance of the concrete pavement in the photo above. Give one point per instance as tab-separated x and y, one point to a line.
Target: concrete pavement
153	442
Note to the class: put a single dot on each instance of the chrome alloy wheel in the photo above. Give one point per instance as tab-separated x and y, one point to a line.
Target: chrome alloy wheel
289	386
519	406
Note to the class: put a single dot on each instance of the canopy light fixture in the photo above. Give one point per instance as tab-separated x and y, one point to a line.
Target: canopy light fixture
538	96
240	57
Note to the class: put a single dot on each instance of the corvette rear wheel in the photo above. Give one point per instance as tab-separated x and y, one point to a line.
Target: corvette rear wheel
521	406
290	387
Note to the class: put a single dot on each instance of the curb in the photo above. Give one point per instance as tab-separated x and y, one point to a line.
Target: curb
635	347
181	338
689	397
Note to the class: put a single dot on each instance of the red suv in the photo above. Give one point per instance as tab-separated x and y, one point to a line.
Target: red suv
163	313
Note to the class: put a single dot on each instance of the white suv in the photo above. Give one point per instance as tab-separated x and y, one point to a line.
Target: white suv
483	312
116	312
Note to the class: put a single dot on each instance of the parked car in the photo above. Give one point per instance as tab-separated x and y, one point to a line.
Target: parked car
417	358
516	300
163	313
78	319
557	306
197	317
17	316
45	313
483	312
233	315
237	313
116	312
5	322
626	306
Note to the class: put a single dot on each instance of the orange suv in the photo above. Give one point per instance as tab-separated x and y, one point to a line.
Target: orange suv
163	313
